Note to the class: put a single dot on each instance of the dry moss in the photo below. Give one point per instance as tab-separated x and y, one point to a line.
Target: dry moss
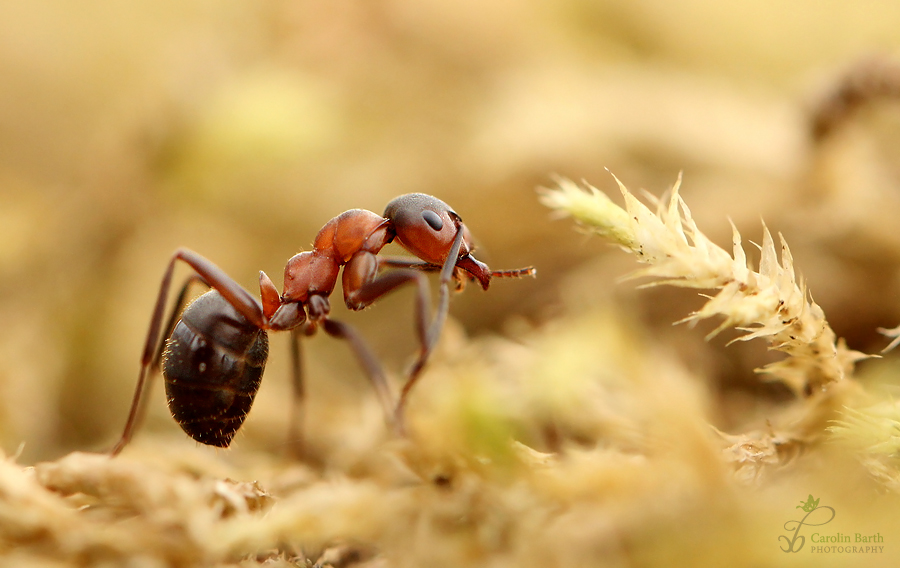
563	448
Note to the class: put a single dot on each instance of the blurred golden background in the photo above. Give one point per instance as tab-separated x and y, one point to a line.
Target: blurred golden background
238	129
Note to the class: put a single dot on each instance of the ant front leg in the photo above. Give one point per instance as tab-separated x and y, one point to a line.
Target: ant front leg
213	276
362	287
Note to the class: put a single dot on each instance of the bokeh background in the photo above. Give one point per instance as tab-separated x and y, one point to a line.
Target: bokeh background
238	129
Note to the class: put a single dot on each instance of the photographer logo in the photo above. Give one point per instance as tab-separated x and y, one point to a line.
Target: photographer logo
821	542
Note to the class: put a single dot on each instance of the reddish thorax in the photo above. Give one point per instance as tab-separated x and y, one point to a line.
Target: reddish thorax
315	272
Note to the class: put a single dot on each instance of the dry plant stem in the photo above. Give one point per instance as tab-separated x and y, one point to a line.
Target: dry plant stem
769	303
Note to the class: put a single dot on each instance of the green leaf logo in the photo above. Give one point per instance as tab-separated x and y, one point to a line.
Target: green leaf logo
809	505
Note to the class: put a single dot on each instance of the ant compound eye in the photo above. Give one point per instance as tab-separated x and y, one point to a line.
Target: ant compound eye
433	219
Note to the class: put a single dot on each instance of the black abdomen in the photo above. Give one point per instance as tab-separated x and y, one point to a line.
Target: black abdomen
213	364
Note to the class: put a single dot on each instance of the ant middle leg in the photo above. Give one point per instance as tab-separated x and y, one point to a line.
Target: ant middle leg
296	441
370	364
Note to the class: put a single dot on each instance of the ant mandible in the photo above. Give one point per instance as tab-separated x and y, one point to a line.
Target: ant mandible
214	356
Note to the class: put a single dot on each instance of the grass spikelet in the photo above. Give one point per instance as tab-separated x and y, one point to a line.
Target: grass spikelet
769	303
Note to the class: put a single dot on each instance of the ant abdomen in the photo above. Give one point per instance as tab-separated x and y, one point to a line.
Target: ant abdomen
212	364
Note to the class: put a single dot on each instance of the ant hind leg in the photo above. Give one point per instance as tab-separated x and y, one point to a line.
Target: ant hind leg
204	271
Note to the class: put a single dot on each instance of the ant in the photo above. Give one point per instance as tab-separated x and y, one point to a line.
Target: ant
215	354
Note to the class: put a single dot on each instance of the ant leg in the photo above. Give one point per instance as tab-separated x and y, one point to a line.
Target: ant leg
216	278
240	299
369	363
295	426
434	330
150	356
180	303
402	262
138	404
362	287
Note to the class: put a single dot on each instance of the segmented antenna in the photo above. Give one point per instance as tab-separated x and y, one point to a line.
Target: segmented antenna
515	273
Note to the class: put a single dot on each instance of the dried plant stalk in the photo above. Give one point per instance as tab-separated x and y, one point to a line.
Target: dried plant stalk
770	303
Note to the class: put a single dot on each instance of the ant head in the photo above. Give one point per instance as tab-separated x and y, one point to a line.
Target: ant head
426	227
